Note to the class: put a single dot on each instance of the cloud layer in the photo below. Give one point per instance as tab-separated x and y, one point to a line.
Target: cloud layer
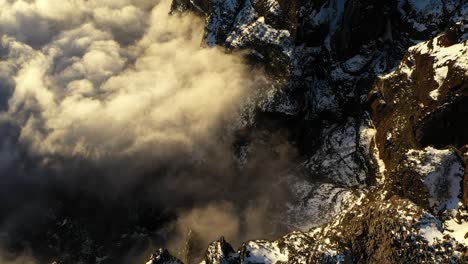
104	97
84	94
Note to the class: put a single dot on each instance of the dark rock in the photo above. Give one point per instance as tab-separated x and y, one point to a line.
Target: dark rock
221	252
162	256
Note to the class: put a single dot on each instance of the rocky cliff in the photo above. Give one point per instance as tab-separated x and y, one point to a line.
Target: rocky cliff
376	93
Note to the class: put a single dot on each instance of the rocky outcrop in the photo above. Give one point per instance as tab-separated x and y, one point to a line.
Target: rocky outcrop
221	252
162	256
422	103
345	154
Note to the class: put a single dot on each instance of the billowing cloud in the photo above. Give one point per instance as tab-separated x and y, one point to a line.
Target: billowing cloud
85	94
37	22
120	94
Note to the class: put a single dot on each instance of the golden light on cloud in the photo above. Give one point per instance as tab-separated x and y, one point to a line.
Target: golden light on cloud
91	96
120	102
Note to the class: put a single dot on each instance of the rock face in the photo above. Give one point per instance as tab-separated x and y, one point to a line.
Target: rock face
221	252
380	92
162	256
422	103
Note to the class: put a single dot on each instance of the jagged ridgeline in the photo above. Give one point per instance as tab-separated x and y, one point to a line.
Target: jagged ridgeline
233	131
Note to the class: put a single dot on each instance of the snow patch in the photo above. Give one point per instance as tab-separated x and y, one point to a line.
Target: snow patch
427	8
341	158
430	228
434	94
222	14
441	74
367	134
457	55
442	173
264	252
273	7
422	13
458	230
331	13
316	204
355	64
258	30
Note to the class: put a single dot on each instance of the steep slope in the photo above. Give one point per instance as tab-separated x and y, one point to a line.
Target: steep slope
402	162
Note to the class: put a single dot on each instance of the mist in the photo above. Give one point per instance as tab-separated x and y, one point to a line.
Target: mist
111	107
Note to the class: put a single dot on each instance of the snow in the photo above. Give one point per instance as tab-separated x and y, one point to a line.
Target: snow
273	7
418	26
430	228
445	60
402	68
406	70
99	260
331	12
434	94
367	134
339	75
389	135
245	17
456	54
264	252
457	230
442	173
422	13
222	14
260	31
336	160
315	204
355	63
344	153
441	74
250	27
430	233
321	97
427	7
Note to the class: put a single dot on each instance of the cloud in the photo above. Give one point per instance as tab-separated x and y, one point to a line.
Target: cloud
104	97
202	225
83	94
37	22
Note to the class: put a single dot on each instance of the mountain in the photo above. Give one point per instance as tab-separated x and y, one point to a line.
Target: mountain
376	94
296	131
